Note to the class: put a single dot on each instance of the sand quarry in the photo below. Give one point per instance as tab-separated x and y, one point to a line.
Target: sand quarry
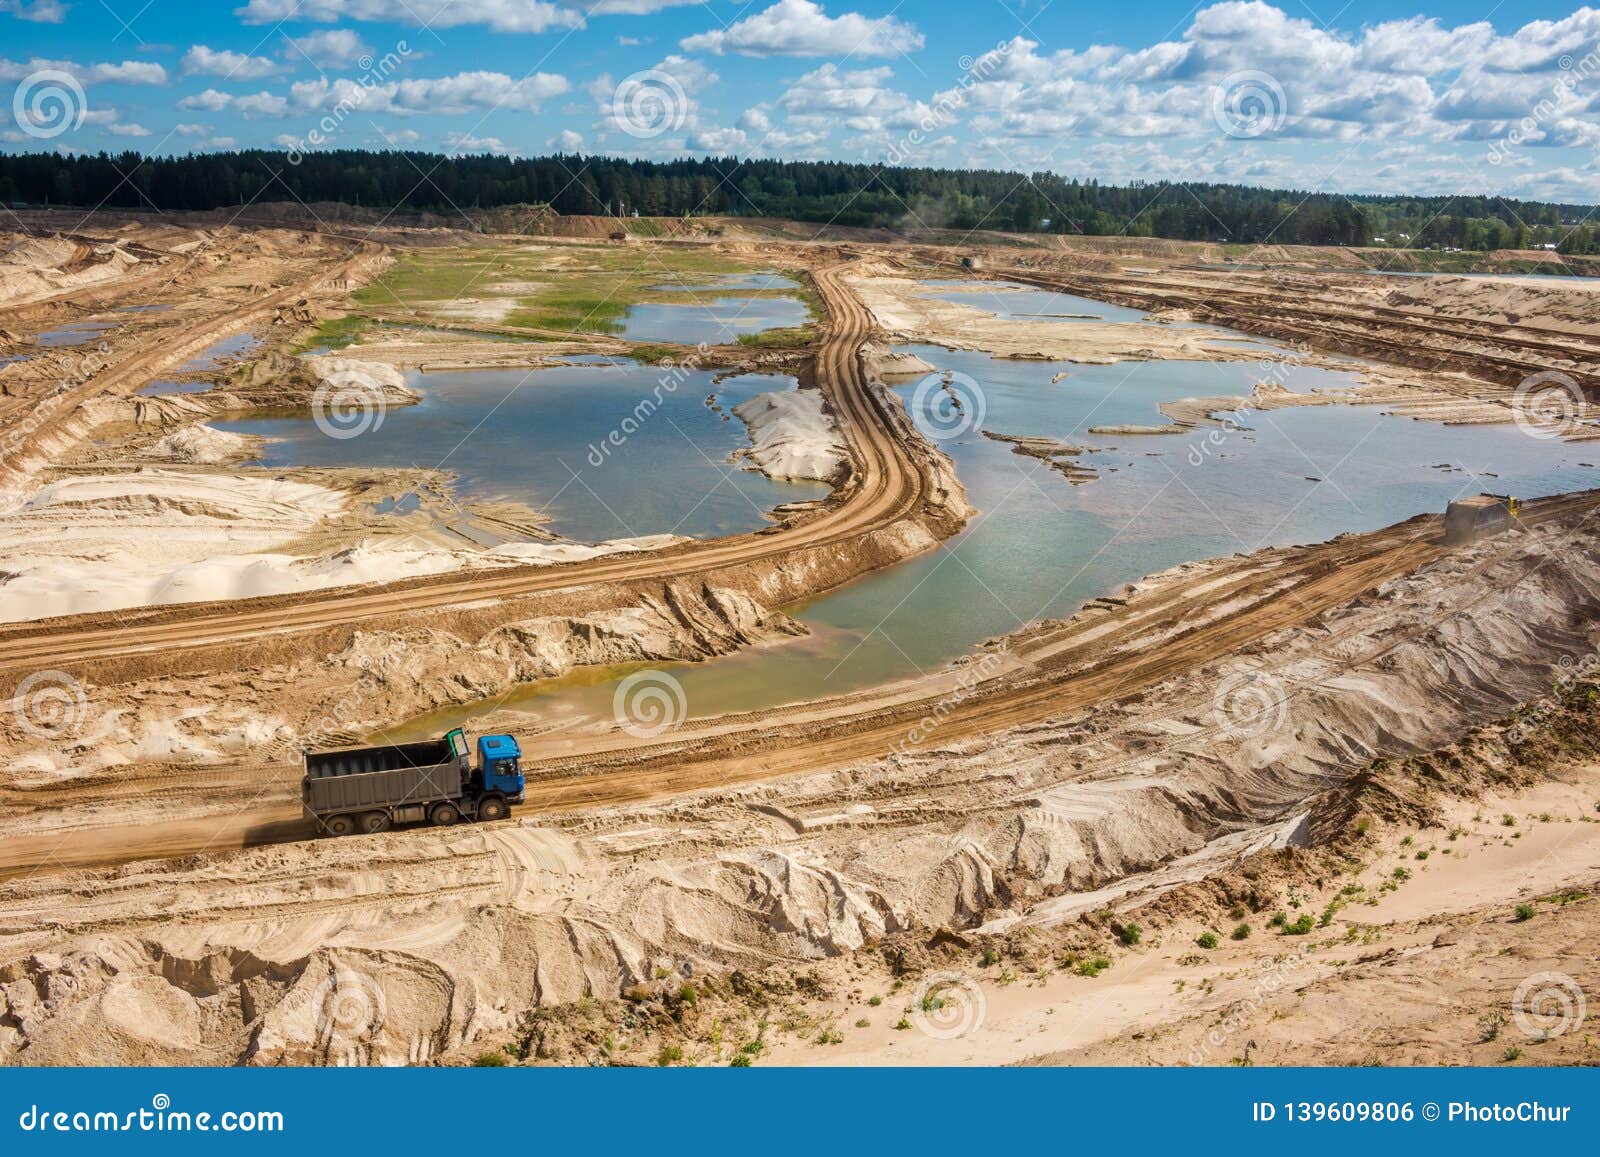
1225	815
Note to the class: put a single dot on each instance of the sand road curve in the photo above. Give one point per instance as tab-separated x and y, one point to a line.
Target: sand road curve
886	484
1056	668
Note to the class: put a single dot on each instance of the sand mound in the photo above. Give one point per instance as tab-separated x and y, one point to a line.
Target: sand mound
203	445
793	436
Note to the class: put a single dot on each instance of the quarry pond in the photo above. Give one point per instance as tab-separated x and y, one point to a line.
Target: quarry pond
1040	546
570	442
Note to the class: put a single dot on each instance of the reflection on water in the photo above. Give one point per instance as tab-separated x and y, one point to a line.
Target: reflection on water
1040	547
214	355
719	321
608	450
76	333
767	280
167	387
1017	302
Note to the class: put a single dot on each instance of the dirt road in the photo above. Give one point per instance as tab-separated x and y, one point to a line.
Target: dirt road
1096	657
887	484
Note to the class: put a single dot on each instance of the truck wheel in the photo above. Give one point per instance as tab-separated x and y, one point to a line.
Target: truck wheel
492	808
444	814
339	825
374	822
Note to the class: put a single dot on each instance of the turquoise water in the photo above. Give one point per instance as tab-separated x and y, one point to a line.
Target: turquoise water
717	321
214	355
73	334
1016	302
167	387
542	437
1040	547
758	280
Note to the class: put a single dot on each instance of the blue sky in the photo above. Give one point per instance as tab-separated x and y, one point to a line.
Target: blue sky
1428	96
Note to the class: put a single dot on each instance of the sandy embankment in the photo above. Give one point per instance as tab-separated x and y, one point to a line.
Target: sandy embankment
909	312
793	438
466	933
32	268
160	534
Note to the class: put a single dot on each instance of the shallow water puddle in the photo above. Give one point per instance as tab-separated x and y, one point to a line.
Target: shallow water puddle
607	449
718	321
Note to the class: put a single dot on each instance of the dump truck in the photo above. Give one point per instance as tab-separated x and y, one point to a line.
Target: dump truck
1480	516
370	789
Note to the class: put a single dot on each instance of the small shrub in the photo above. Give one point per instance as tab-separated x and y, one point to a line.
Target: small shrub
990	956
669	1055
1301	926
902	1024
1508	820
490	1061
1490	1024
1242	931
1207	940
740	1061
875	1000
1092	967
863	1023
1130	935
1525	912
1511	1054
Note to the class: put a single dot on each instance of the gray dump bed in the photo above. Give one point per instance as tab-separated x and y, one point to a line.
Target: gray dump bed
379	777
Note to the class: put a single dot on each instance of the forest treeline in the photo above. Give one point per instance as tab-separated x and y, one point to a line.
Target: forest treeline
832	191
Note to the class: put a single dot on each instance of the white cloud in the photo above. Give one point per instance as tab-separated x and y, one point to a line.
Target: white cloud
127	72
262	104
629	7
467	143
500	15
128	129
327	48
36	12
446	94
203	61
718	140
801	28
211	100
566	141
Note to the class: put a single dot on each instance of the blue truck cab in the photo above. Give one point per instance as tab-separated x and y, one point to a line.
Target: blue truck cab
500	766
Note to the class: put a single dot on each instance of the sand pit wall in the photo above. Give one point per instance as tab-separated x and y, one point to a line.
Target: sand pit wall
453	935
